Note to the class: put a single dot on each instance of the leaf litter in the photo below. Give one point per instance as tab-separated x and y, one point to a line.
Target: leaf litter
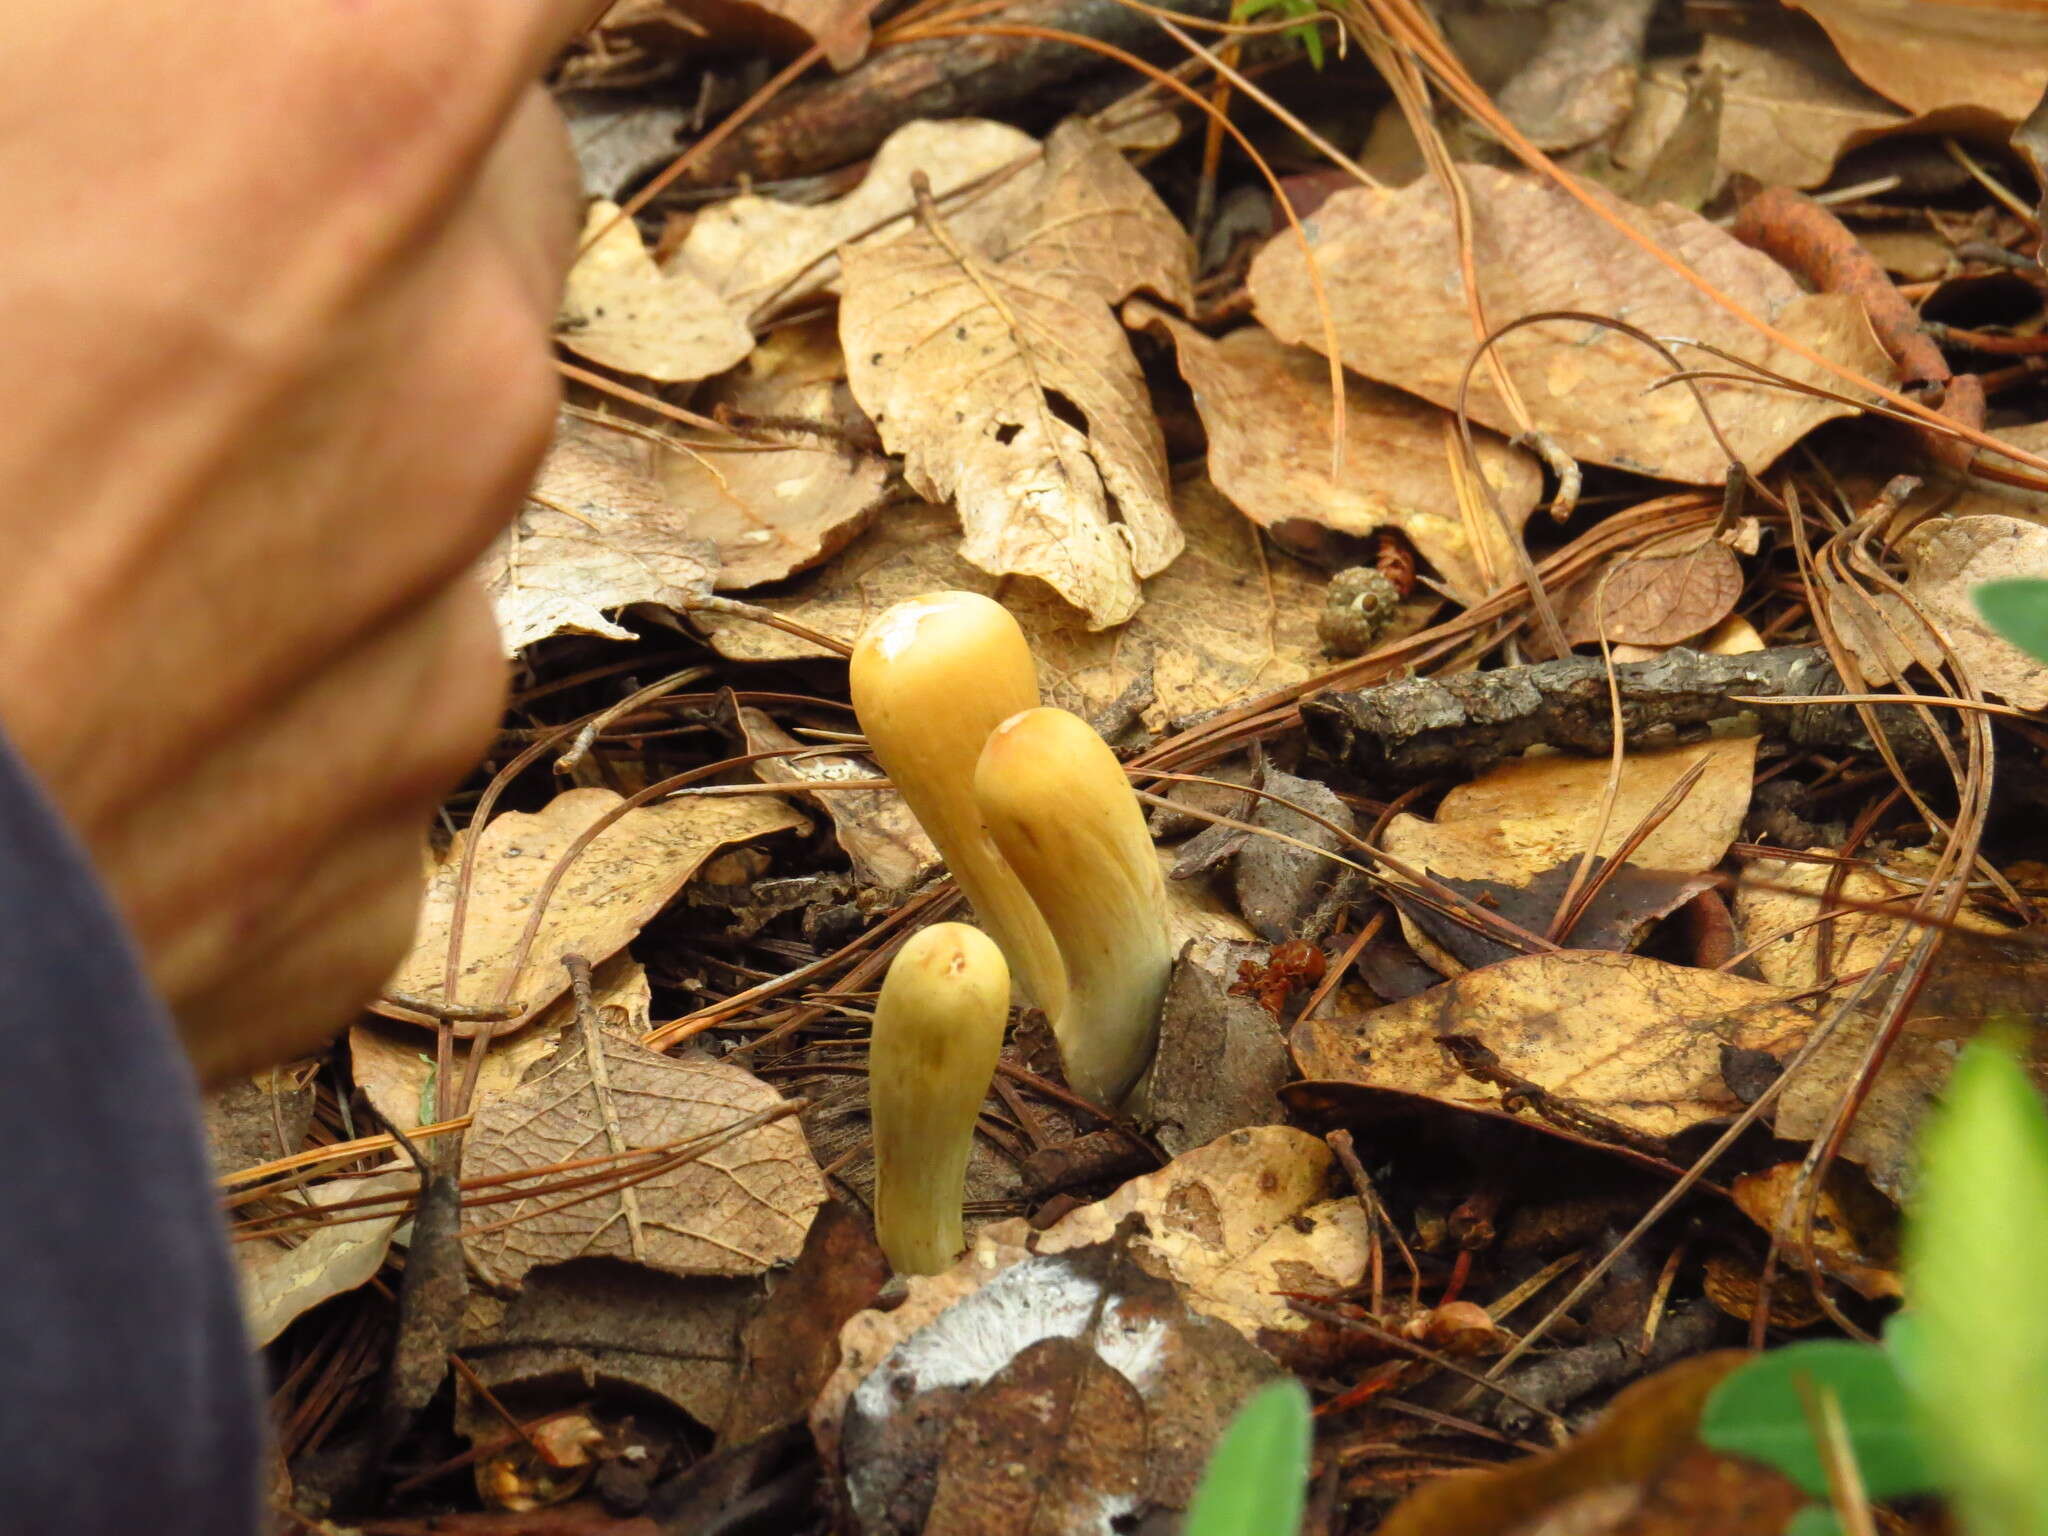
1532	995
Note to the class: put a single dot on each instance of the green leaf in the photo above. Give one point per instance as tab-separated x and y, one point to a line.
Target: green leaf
2018	610
1758	1412
1814	1520
1257	1481
1976	1251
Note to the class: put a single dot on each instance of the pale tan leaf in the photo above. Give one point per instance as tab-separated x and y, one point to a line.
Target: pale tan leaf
1657	599
1389	260
1209	634
1532	814
971	360
740	1208
882	840
1234	1224
1990	55
1266	408
757	251
619	309
1789	110
1945	559
772	512
281	1281
595	535
1632	1040
394	1064
625	876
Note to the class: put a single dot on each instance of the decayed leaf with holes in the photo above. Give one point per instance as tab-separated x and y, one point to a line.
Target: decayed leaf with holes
1235	1224
1656	599
740	1208
1266	408
1629	1041
626	875
882	840
1789	109
619	309
1212	632
1987	55
761	253
280	1282
1945	559
394	1064
1389	259
596	534
774	511
1001	375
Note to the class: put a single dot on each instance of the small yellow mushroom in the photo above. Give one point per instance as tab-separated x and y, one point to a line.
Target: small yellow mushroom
1059	807
938	1031
931	677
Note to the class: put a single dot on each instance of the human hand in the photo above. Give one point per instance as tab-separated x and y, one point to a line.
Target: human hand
276	293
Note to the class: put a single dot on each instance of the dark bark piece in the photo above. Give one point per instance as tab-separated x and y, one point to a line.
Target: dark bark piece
1280	884
1571	1374
838	121
1222	1059
1463	725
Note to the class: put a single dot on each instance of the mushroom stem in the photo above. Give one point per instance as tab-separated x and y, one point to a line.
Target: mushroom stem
938	1030
1059	807
931	677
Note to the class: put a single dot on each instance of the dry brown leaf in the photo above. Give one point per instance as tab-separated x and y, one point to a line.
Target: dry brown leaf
1211	632
782	28
1577	84
883	841
1634	1041
1656	599
973	360
595	535
762	254
280	1281
394	1065
1515	821
739	1209
1929	55
253	1120
1846	1240
1945	558
1789	110
772	512
619	309
1399	318
1266	407
1234	1224
625	876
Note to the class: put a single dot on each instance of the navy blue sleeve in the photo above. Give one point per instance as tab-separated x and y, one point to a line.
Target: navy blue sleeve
127	1389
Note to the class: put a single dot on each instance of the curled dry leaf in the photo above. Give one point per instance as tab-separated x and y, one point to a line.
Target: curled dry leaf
620	880
1234	1224
1266	408
1579	82
886	846
619	309
1853	1234
1656	599
1987	55
739	1208
774	511
280	1281
1001	375
1527	816
595	535
761	254
1623	1039
1214	630
1945	559
1388	260
1789	109
394	1064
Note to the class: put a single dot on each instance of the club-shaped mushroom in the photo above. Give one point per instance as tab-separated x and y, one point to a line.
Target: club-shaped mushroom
1061	811
931	677
938	1030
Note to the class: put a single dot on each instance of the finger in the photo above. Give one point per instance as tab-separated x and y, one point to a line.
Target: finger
532	193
